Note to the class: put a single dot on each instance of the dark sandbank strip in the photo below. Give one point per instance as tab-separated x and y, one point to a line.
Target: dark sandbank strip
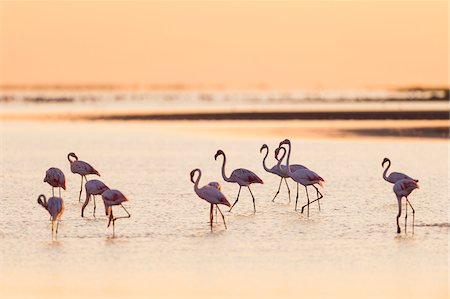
329	115
422	132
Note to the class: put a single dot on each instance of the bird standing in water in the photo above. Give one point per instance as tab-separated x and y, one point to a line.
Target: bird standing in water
93	187
82	168
243	177
55	207
112	198
55	178
211	194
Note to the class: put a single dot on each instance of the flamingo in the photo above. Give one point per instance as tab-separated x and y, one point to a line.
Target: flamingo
93	187
112	197
294	168
82	168
54	206
394	176
211	194
403	188
305	177
241	176
275	170
55	178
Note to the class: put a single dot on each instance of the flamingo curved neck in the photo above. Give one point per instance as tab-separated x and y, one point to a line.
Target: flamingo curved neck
197	181
264	160
227	179
281	159
287	160
386	170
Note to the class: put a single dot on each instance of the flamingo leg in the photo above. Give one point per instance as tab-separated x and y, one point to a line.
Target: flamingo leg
53	191
128	214
296	199
110	216
236	199
307	205
413	213
406	212
399	213
88	197
81	189
317	199
254	206
57	226
279	187
223	217
216	213
59	191
319	196
289	190
93	196
211	216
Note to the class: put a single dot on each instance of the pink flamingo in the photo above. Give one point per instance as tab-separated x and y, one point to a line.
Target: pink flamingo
275	170
403	188
305	177
394	176
93	187
211	194
82	168
112	198
54	206
241	176
55	178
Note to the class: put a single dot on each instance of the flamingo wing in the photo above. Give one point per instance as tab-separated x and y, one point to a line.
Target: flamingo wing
245	176
212	195
55	207
397	176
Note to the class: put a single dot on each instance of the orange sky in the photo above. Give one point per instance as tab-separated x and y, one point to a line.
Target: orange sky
289	45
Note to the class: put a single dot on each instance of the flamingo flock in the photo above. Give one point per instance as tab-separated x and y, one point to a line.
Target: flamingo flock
212	192
300	174
56	179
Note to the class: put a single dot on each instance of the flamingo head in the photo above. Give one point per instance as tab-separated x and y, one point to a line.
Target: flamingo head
285	141
385	160
72	154
277	152
40	201
219	152
264	146
193	173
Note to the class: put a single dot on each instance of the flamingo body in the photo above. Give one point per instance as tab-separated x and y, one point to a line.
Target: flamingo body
113	197
54	206
55	178
244	177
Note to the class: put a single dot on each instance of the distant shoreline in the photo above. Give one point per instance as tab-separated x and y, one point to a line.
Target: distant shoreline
310	115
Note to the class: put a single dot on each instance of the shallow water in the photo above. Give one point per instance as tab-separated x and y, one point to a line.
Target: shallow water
349	248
